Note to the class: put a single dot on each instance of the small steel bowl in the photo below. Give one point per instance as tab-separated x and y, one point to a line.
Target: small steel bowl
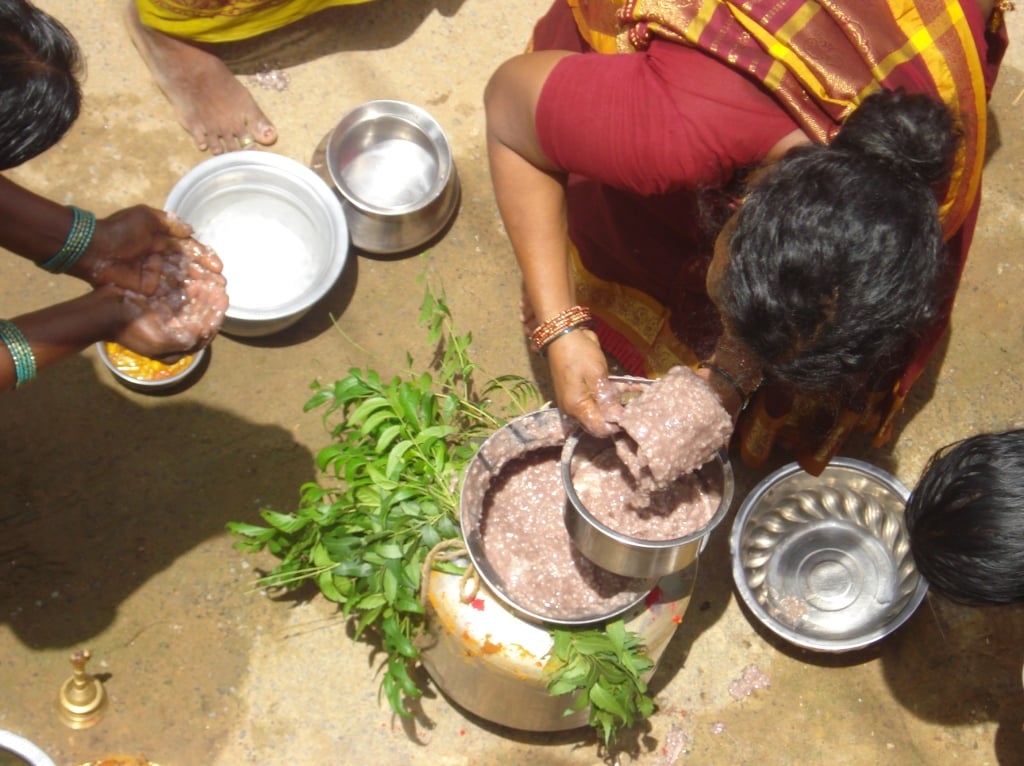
632	556
277	226
169	380
536	430
392	165
824	562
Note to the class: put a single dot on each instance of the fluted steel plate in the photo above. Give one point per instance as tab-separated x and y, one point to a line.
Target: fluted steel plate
824	562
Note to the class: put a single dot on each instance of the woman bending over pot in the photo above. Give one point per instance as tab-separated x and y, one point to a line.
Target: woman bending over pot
779	194
155	290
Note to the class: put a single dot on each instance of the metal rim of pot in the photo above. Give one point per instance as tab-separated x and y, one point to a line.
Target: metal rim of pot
633	556
550	433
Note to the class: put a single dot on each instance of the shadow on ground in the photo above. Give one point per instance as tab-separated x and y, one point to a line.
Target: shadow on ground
162	477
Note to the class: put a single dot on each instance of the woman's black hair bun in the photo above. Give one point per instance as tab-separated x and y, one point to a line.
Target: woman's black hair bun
914	135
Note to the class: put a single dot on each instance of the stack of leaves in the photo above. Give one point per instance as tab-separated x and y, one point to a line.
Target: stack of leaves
390	490
605	668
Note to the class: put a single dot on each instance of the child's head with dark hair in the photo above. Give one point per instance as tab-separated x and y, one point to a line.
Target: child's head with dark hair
39	91
966	520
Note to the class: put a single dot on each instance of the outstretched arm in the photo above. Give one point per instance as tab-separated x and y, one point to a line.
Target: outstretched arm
126	248
530	192
182	314
66	328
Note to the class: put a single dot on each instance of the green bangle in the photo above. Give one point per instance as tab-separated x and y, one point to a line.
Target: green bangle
83	224
20	350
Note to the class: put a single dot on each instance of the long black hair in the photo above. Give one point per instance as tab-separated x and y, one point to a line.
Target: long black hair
835	264
40	96
966	520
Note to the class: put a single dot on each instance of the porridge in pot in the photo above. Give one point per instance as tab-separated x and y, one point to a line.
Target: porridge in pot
609	492
648	484
527	545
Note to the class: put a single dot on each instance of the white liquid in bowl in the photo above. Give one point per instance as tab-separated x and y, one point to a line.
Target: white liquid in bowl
267	255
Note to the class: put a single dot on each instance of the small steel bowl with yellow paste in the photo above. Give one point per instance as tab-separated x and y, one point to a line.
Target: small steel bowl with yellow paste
140	373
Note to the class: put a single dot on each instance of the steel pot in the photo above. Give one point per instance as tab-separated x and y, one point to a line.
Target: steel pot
392	165
277	226
492	663
631	556
527	434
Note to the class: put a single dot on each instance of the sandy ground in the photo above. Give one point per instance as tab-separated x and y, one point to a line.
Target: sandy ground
114	504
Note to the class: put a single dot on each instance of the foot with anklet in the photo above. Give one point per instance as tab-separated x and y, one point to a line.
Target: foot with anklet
215	108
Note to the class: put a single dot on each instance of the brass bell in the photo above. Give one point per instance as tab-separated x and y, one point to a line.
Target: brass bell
82	697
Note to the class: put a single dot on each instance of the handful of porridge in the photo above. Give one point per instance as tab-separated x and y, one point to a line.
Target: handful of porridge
647	482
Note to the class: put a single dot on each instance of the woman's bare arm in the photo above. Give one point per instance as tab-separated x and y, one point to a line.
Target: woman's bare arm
530	192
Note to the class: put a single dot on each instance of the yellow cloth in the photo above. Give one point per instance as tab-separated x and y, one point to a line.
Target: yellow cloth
223	21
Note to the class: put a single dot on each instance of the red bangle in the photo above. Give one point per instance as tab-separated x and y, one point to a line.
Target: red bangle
570	319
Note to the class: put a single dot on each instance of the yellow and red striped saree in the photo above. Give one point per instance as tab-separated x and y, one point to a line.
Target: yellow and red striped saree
819	59
222	21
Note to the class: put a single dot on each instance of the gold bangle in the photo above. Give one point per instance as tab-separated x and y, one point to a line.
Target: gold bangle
543	350
571	318
999	10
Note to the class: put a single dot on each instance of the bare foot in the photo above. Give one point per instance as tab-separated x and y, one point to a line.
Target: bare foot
212	105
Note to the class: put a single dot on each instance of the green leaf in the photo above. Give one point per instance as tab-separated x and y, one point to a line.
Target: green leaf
396	455
387	436
367	618
400	672
253	531
616	632
390	586
407	605
372	601
434	432
327	586
374	421
287	523
393	692
558	688
358	569
378	477
331	454
388	550
409	401
319	399
429	536
605	700
397	640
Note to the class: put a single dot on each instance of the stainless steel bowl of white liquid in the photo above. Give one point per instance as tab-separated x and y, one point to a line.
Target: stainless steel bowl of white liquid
277	226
